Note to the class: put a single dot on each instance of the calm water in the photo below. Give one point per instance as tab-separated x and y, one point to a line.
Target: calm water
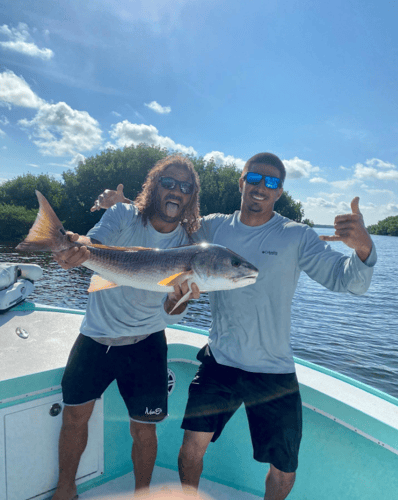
356	336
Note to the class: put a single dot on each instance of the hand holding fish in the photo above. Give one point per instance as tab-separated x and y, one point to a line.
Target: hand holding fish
109	198
180	291
351	230
74	256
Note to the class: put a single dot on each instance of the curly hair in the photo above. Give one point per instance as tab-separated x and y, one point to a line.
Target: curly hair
145	201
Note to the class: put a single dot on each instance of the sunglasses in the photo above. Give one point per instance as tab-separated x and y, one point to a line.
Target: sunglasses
170	183
254	178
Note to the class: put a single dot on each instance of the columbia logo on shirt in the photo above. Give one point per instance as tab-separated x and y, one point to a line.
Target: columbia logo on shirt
270	252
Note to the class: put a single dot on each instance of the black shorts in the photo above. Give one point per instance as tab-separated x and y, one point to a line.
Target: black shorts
272	402
140	371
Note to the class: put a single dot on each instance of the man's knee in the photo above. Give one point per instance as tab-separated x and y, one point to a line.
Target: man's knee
77	416
282	479
194	446
142	433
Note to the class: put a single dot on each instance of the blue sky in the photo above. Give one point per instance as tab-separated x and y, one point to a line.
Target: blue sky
314	82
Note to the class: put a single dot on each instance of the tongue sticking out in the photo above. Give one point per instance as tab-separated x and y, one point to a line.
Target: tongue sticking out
171	209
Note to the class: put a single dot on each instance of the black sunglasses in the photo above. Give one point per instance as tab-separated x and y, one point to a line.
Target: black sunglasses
255	179
171	183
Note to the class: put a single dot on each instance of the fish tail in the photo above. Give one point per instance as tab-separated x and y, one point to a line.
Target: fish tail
47	232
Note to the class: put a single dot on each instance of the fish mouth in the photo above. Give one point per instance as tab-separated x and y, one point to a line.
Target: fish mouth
250	277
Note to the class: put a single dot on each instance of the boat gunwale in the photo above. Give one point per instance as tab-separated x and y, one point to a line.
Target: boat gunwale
32	306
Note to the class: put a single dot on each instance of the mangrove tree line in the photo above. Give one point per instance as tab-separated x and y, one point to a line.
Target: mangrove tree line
73	197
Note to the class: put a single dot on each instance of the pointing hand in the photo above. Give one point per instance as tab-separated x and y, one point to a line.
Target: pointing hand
351	230
109	198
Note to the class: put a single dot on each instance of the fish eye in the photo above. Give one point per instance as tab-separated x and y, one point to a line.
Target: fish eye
235	262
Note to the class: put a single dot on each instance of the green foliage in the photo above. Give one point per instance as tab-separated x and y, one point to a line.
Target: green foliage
15	223
287	207
73	198
308	222
21	191
388	226
218	187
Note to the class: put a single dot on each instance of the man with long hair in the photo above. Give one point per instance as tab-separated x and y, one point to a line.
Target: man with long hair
122	332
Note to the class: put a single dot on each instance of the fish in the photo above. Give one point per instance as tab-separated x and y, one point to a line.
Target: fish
212	267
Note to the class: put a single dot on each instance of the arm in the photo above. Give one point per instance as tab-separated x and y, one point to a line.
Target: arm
109	198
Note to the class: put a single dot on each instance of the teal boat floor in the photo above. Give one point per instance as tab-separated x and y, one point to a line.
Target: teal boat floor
163	480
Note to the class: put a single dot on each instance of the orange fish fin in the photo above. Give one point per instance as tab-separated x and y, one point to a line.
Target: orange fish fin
123	249
175	279
97	283
47	230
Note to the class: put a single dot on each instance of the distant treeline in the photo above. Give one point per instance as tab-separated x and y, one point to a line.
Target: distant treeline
73	197
387	227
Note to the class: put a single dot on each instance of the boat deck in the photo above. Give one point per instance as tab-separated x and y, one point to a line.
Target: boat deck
162	480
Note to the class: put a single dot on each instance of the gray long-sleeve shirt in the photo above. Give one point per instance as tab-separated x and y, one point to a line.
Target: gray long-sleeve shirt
251	325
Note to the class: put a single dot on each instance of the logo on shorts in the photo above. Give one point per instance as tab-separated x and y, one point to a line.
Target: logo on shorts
158	411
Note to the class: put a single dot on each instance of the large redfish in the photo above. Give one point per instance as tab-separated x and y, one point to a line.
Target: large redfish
211	267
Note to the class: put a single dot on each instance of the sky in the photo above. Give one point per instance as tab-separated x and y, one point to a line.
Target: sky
311	81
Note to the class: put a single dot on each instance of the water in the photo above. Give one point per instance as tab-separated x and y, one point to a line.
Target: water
355	336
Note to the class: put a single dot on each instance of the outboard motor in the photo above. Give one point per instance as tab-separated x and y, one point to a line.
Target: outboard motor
16	282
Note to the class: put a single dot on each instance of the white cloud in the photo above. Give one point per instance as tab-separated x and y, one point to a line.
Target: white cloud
2	133
379	191
2	181
375	162
297	168
126	134
318	180
18	42
15	91
220	159
77	159
155	106
32	165
60	130
4	120
391	209
115	113
368	172
344	184
319	203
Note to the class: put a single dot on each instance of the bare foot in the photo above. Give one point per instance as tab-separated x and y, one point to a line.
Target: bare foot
66	493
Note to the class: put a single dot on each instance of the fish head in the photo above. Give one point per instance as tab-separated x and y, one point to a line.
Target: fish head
218	268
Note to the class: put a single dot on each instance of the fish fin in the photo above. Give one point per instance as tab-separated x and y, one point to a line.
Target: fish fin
123	249
184	298
47	231
98	283
175	279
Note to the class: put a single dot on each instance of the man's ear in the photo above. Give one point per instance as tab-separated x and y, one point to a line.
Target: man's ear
241	181
280	194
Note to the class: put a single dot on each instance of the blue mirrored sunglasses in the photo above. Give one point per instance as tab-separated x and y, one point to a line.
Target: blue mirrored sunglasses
255	179
171	183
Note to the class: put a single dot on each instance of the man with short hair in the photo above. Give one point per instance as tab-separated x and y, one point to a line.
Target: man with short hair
249	358
122	332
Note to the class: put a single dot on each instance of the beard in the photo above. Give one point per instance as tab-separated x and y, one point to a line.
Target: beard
157	208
